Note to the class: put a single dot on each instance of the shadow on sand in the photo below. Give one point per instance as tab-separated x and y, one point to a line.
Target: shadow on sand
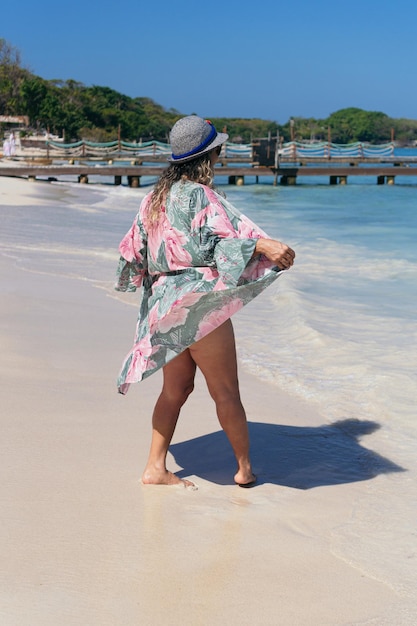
301	457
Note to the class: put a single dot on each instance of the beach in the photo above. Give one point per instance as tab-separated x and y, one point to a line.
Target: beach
325	538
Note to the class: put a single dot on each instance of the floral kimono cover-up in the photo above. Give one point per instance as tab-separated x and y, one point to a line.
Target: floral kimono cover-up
196	269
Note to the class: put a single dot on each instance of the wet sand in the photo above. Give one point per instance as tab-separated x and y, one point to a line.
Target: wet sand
83	542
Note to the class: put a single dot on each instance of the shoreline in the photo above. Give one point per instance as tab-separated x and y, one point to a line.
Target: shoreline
83	542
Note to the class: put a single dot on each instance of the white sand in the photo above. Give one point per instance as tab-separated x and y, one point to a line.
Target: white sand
84	543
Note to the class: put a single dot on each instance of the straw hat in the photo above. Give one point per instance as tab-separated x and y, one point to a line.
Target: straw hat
192	136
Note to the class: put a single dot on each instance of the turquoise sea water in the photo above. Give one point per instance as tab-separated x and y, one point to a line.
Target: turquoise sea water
339	329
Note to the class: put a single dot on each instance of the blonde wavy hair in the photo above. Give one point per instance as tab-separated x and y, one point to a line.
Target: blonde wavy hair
199	170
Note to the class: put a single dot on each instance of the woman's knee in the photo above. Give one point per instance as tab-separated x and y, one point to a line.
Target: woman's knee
225	394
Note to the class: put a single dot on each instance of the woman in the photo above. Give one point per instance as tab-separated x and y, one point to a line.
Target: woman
198	261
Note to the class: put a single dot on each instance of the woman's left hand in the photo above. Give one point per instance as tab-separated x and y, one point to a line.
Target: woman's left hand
277	252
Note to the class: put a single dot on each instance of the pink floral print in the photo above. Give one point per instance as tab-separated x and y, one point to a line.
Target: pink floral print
196	268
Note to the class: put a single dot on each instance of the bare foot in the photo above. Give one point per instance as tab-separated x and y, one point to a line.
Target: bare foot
167	478
245	478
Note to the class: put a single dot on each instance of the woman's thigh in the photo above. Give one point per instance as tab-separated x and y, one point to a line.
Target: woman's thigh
179	374
215	356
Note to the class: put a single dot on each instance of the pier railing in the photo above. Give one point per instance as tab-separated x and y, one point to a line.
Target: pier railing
142	151
262	151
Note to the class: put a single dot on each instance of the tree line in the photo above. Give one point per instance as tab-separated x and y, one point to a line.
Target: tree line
96	113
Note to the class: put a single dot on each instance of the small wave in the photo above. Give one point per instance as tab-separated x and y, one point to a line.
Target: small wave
19	250
348	361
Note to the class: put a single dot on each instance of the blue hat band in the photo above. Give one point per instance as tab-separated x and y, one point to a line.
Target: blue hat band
204	144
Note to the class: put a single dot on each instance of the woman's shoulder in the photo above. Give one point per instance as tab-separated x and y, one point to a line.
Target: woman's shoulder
147	197
145	203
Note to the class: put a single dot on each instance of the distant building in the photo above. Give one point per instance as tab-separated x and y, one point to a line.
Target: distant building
22	120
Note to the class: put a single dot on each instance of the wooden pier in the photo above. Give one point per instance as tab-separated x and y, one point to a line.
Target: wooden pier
338	171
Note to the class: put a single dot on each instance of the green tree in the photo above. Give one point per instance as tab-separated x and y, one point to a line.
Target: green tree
353	124
405	130
33	92
244	130
11	77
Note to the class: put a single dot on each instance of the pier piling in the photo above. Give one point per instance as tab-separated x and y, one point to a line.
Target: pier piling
283	172
288	180
133	181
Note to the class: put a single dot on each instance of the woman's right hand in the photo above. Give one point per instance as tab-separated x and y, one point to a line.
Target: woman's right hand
277	252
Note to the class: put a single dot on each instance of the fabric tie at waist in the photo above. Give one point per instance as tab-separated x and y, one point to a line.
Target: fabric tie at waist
173	273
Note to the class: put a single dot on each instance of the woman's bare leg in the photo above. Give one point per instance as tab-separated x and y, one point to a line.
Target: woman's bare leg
215	355
178	384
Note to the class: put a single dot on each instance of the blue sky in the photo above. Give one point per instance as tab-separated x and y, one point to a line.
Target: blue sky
228	58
